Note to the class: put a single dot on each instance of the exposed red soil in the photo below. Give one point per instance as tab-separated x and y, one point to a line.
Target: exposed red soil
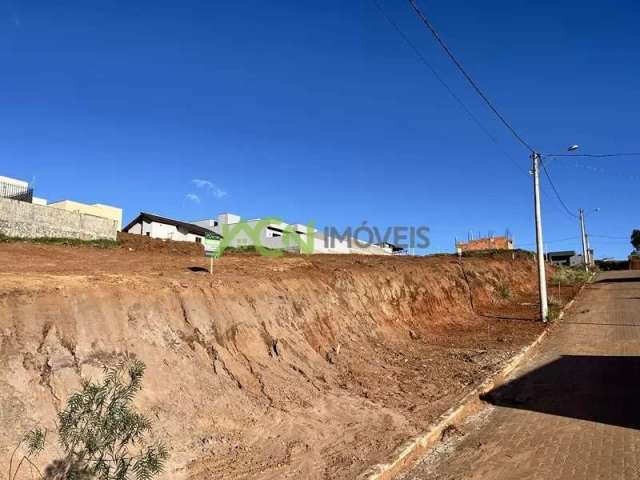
293	367
130	242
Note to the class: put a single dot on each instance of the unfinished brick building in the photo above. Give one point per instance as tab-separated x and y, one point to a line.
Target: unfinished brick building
488	243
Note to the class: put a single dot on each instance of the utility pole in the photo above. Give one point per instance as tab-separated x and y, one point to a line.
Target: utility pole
542	276
585	251
589	257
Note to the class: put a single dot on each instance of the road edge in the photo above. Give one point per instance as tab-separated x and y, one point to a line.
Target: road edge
410	452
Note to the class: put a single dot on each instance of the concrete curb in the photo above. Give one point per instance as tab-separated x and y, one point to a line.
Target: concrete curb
413	450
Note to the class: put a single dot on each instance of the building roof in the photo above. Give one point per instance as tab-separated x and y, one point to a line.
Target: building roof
14	181
563	253
189	227
74	202
392	246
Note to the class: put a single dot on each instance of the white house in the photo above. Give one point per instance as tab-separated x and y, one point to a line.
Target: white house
272	236
15	189
18	190
164	228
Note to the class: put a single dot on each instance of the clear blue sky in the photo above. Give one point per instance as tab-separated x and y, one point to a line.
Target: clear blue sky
318	110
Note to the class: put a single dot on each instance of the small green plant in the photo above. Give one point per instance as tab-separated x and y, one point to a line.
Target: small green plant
504	291
33	444
252	249
570	276
74	242
555	301
554	312
101	434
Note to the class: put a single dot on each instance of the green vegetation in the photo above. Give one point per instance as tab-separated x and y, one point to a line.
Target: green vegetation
555	301
570	276
251	249
635	239
244	249
554	312
504	291
516	253
74	242
101	435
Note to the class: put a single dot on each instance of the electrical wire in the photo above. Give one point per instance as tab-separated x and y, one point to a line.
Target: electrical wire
546	195
555	190
561	240
605	171
486	99
468	77
595	155
435	73
610	237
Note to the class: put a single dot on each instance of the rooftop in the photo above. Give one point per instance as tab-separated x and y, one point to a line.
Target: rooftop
152	217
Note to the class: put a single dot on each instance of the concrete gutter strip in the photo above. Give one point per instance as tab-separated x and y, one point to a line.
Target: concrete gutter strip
409	453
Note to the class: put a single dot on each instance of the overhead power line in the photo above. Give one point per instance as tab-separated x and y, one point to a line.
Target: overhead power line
555	190
484	97
468	77
605	171
561	240
596	155
610	237
608	240
552	199
435	73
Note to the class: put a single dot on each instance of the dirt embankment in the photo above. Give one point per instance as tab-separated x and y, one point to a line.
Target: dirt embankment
296	367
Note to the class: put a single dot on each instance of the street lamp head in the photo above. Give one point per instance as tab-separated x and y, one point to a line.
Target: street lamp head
573	148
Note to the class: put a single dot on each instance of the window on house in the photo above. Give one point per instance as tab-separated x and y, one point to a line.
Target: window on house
148	234
198	240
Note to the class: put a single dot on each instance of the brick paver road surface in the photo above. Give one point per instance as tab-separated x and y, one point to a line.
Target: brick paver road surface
571	410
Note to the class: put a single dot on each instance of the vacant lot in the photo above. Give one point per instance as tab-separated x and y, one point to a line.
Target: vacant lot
292	367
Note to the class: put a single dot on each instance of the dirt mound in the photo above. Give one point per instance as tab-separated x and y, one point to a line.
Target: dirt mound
141	243
294	367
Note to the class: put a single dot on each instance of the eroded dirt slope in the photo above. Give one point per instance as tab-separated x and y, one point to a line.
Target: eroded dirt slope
296	367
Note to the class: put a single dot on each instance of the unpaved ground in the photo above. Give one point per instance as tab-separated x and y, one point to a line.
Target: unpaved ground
293	367
570	410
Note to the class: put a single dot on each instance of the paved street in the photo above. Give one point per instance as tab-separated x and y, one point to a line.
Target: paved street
572	411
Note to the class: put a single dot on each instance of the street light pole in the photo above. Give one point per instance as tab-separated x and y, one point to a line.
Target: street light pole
585	252
542	277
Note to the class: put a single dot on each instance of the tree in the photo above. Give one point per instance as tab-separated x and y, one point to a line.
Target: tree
101	434
33	443
635	239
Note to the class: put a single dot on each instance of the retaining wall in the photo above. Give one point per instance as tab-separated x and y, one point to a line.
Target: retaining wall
22	219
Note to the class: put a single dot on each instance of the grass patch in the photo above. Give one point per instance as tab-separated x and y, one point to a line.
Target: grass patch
516	253
252	249
570	276
73	242
555	301
242	249
504	291
554	312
